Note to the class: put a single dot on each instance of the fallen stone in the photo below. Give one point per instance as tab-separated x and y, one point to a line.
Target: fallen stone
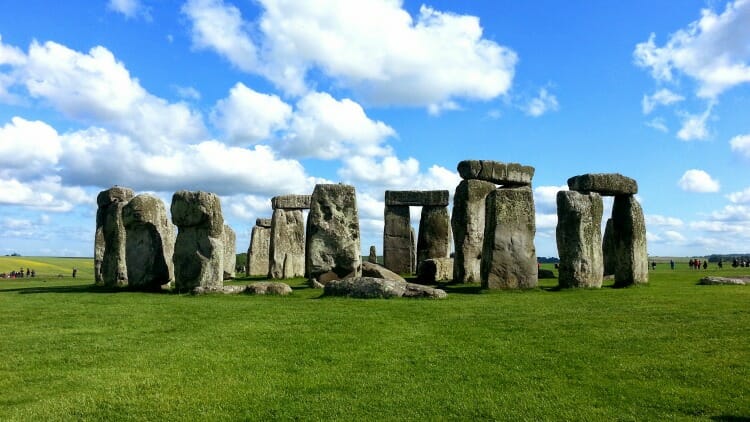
315	284
506	174
263	222
333	238
579	238
738	281
227	290
287	247
370	269
629	228
149	243
268	288
508	254
435	269
435	198
199	250
373	288
230	252
291	202
605	184
467	222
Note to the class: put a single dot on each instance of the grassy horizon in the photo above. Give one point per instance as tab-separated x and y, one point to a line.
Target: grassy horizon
668	350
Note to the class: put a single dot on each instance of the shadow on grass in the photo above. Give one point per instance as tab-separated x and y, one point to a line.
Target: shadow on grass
86	288
730	418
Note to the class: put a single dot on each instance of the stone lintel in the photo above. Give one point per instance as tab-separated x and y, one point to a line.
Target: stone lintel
291	202
606	184
506	174
438	198
263	222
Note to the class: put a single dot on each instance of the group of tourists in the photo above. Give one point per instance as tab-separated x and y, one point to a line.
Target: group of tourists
742	262
19	274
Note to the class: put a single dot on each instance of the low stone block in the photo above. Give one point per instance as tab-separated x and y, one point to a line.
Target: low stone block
435	269
606	184
291	202
417	197
506	174
268	288
378	288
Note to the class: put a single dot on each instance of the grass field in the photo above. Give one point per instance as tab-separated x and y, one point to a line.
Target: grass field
669	350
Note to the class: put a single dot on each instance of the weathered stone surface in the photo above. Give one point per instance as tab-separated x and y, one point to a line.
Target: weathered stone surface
435	198
373	288
739	281
467	222
291	202
412	251
373	257
434	239
606	184
544	273
230	252
269	288
114	262
149	243
315	284
257	253
333	239
629	228
609	254
370	269
579	219
105	200
199	249
398	243
508	253
216	289
263	222
287	248
435	269
507	174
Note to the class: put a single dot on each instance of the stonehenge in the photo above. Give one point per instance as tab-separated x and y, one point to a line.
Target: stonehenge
257	252
230	255
110	267
434	229
149	243
467	222
287	247
332	244
584	257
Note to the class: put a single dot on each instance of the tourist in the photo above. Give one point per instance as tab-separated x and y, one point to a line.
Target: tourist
671	264
75	270
705	264
653	265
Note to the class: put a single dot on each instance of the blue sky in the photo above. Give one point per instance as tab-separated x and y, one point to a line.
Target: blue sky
252	99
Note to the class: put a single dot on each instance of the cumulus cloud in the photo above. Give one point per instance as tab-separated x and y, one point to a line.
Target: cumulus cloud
374	47
248	116
545	198
742	197
130	8
694	126
393	173
674	236
712	50
741	145
698	181
46	193
543	103
660	220
27	147
661	97
658	124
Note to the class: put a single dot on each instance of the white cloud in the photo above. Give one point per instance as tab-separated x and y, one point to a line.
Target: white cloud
47	194
546	221
658	124
732	213
694	126
741	145
323	127
542	104
130	8
374	47
219	27
392	173
545	198
742	197
660	220
28	147
188	92
248	116
698	181
661	97
674	236
712	50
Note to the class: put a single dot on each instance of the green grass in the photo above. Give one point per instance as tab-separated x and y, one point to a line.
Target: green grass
669	350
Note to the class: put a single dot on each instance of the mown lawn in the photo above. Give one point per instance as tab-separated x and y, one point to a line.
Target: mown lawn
669	350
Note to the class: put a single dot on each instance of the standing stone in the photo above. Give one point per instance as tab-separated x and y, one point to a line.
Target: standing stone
435	269
109	213
149	244
287	248
434	239
508	254
199	249
629	227
609	254
373	258
332	250
398	243
257	253
230	252
579	239
467	222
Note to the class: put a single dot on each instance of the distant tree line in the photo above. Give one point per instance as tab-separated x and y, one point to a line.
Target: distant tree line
728	257
548	260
